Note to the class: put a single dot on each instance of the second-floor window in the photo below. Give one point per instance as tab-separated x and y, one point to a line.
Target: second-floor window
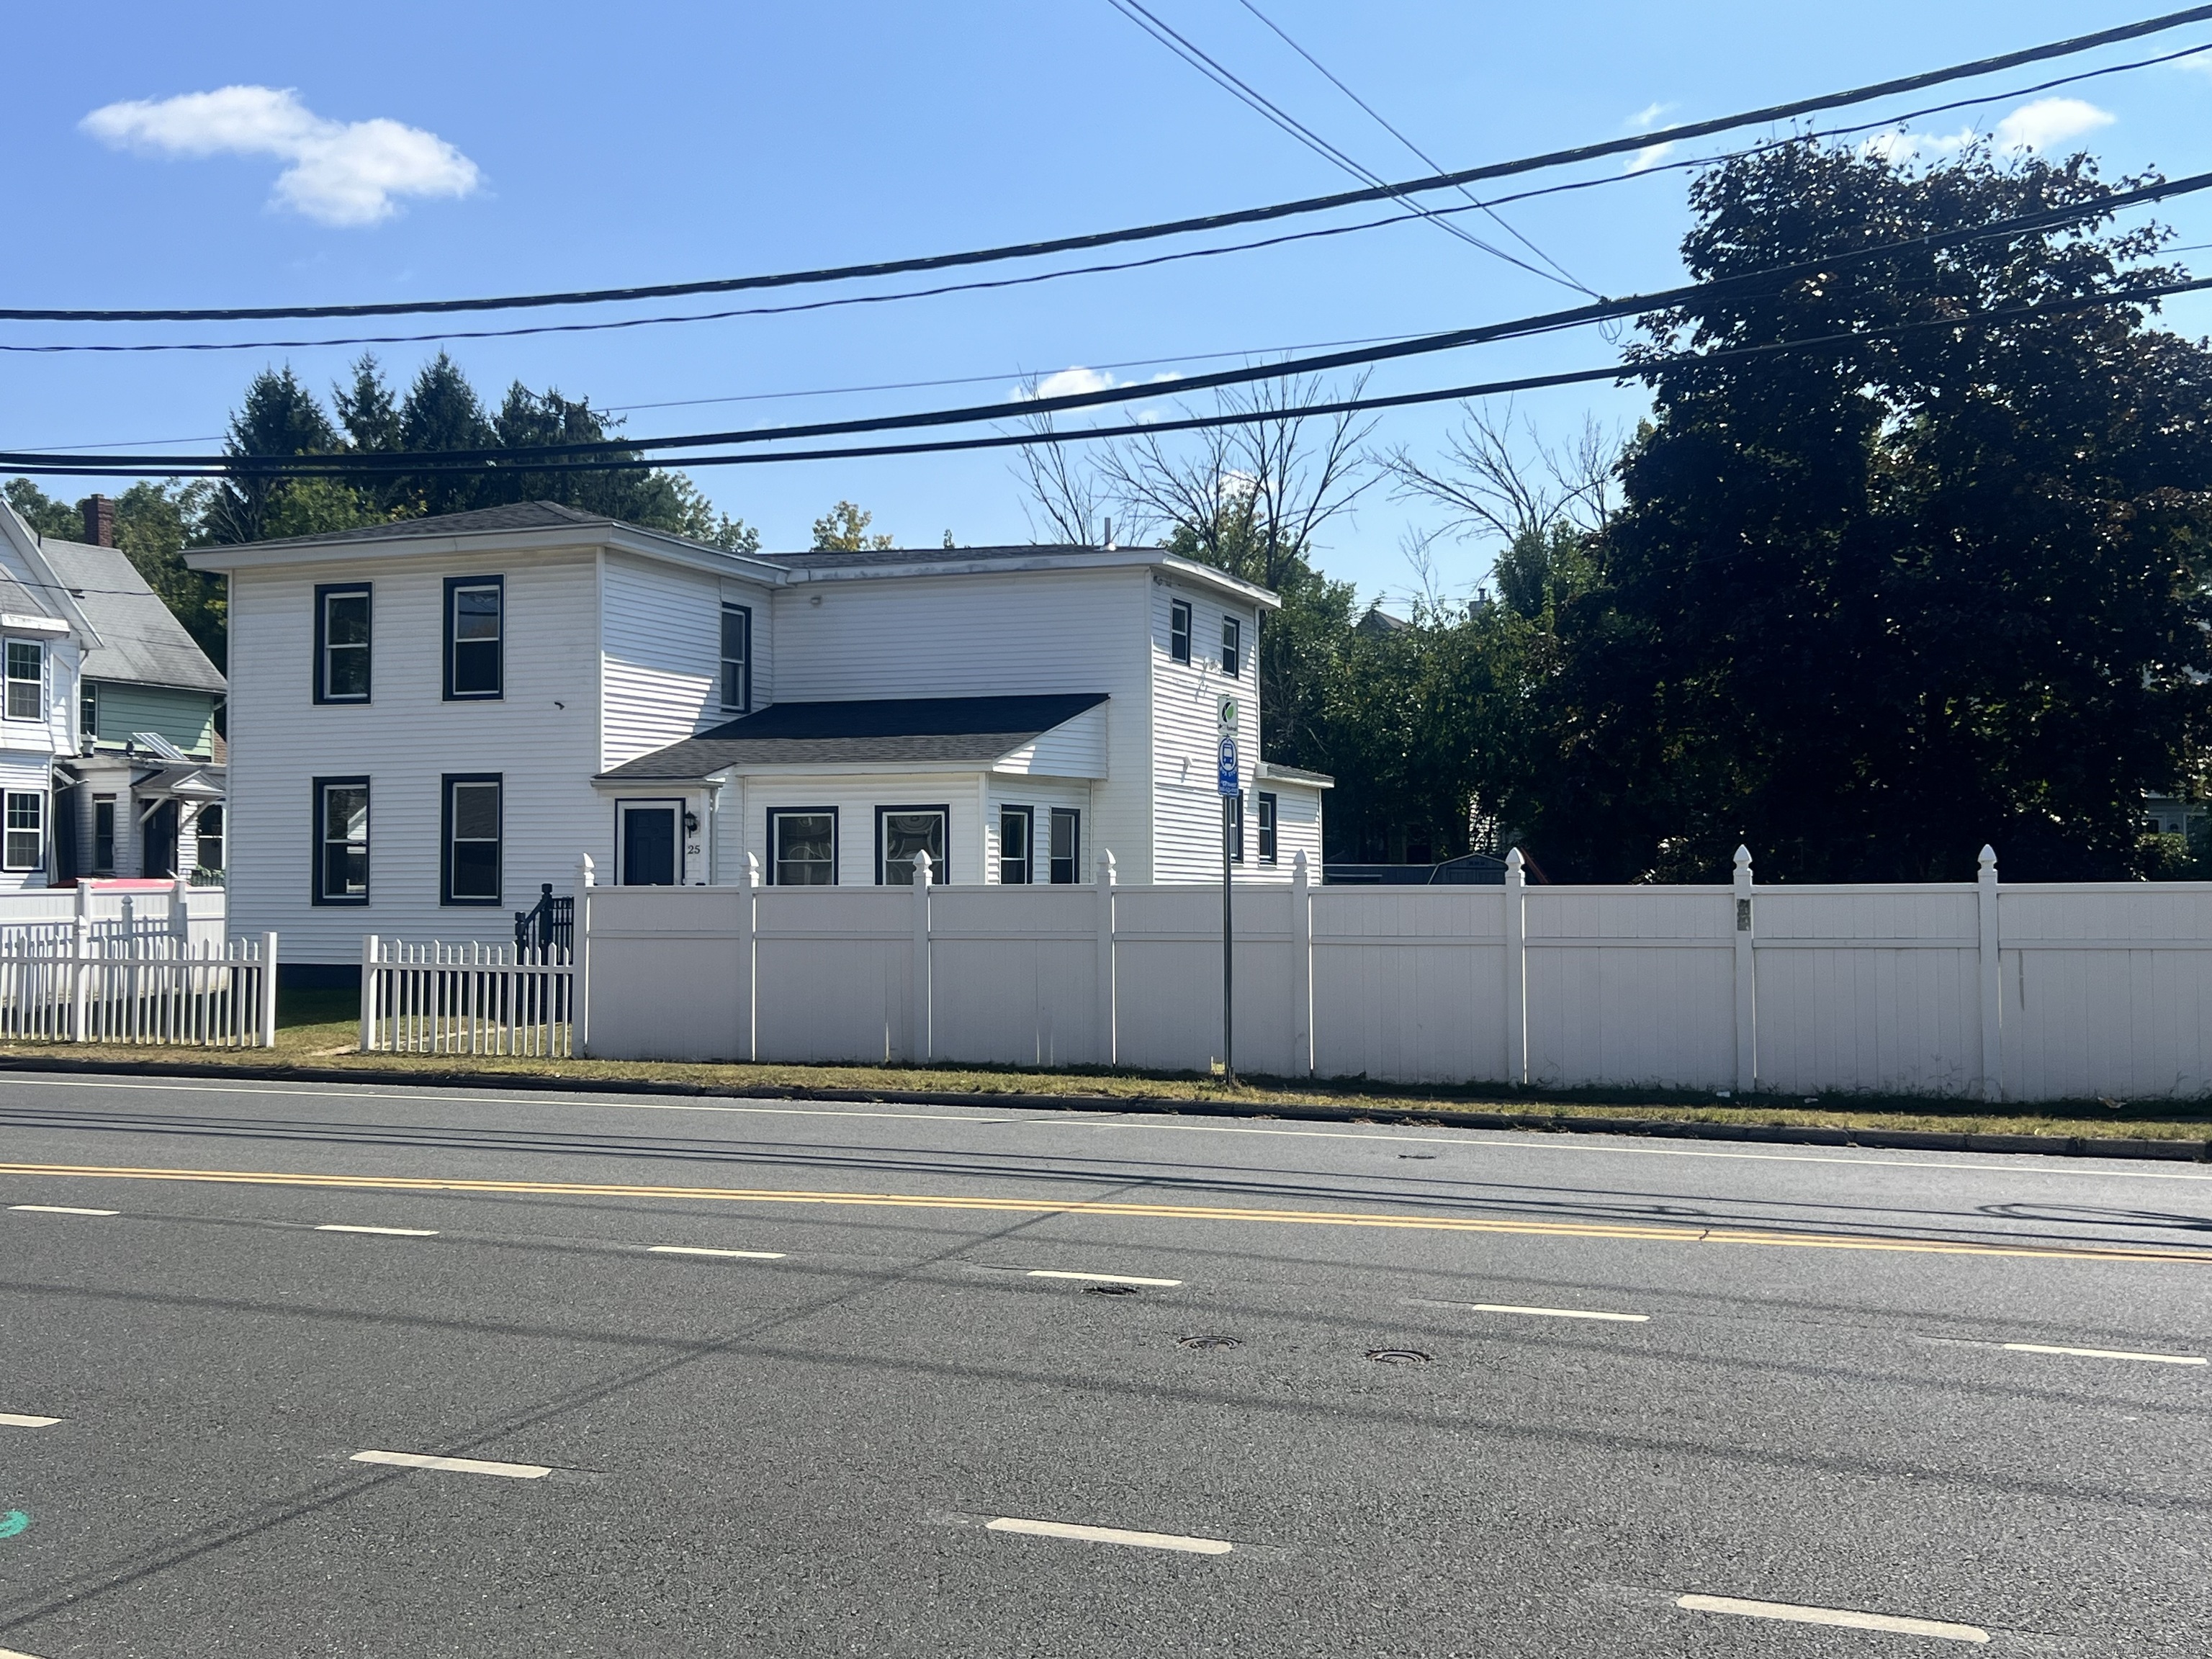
475	623
737	659
1178	632
27	679
1232	646
342	643
87	712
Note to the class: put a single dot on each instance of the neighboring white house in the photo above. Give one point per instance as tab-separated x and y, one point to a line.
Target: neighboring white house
430	720
109	763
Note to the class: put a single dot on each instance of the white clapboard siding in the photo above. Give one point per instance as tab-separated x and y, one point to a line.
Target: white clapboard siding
541	737
1023	633
1039	795
1186	806
663	644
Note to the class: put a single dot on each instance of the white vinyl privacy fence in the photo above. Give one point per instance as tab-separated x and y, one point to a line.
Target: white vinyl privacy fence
2020	992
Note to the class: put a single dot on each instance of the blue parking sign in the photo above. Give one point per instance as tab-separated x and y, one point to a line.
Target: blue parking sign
1228	782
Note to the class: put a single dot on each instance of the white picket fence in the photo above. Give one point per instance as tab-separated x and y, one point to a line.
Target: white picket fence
465	998
135	987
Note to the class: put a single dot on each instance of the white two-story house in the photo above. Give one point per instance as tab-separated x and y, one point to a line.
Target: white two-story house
431	720
109	761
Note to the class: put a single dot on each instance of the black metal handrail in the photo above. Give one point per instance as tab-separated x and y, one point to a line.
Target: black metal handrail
548	924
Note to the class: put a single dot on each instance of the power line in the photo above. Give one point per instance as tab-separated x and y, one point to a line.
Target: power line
1108	268
366	463
1773	113
1243	90
320	466
1418	154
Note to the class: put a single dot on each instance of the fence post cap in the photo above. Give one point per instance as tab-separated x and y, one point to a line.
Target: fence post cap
587	872
1988	861
921	862
1106	868
1298	866
752	870
1514	861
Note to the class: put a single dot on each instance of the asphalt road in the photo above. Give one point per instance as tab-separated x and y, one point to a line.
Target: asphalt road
1375	1390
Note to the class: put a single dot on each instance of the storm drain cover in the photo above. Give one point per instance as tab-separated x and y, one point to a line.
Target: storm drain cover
1212	1341
1398	1356
1109	1289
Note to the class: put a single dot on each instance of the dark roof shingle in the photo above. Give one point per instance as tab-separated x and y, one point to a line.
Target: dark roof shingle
962	731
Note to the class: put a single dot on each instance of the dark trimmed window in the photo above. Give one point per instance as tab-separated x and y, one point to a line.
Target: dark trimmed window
470	872
1267	828
341	852
802	846
341	642
1232	646
1067	848
1178	632
208	826
103	834
738	658
904	832
1017	828
475	622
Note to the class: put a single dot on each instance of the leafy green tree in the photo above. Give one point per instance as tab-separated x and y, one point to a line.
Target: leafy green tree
1936	580
844	529
45	516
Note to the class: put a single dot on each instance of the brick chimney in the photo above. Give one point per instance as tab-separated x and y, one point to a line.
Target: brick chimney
100	522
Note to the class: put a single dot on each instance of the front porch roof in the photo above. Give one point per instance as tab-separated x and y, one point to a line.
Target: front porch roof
963	732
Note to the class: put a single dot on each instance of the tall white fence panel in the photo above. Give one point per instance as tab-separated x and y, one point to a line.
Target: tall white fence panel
2022	993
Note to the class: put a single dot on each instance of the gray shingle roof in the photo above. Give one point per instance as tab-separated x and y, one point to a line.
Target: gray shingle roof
519	515
891	555
961	731
140	640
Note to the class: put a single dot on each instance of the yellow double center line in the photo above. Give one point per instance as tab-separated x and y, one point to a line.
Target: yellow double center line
1432	1223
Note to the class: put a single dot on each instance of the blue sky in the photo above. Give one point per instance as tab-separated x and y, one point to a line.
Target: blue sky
563	146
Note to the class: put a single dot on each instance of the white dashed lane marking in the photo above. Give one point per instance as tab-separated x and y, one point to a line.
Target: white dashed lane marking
1841	1618
20	1420
387	1232
454	1465
1102	1279
701	1249
58	1209
1560	1312
1142	1540
2106	1354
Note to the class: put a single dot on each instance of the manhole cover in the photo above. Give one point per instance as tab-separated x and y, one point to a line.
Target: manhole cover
1109	1289
1398	1356
1212	1341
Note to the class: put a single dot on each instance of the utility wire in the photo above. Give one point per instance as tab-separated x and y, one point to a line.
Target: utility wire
319	465
1747	283
1418	154
1227	79
1685	164
1674	135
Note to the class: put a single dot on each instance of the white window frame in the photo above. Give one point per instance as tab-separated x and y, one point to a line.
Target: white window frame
323	786
327	594
942	811
1073	818
1179	631
37	682
32	803
1271	814
1232	648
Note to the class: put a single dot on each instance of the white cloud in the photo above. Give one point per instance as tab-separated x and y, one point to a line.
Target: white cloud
1646	117
1073	382
2048	121
2032	127
1649	156
341	173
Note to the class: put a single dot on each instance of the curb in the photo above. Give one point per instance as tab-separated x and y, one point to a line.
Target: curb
1927	1140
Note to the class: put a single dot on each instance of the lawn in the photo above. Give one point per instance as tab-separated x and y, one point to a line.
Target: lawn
319	1031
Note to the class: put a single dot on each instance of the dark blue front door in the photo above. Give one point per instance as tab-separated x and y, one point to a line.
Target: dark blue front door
648	847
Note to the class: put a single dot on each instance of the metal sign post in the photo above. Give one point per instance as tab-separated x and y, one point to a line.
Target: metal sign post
1230	787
